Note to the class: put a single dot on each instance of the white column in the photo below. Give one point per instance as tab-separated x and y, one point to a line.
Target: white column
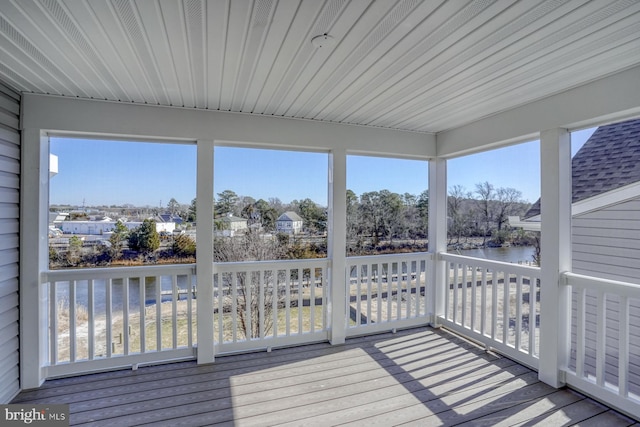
437	237
204	250
336	246
555	313
34	259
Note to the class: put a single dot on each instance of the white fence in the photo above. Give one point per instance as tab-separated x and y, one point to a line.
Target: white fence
495	303
605	350
269	303
386	292
111	317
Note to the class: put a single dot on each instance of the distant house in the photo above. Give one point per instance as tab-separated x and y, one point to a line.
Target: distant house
289	222
108	225
229	225
605	204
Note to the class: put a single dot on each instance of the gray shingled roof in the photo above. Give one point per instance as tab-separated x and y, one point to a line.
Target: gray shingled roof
289	216
608	160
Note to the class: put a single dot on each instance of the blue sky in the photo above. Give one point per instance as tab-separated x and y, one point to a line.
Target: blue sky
93	172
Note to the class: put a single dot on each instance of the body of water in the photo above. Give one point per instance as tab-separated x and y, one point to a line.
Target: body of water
514	254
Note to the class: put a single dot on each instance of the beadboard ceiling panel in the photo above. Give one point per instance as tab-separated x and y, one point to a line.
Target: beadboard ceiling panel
424	66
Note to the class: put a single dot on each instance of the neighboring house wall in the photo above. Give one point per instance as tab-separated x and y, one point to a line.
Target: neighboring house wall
606	244
9	237
101	227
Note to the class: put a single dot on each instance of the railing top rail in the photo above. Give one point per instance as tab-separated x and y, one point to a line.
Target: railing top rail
631	290
118	272
388	257
271	264
491	264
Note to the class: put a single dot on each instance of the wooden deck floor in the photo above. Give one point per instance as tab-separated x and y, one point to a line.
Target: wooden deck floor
414	377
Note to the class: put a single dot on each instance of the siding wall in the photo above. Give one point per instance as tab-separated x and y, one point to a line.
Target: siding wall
606	244
9	244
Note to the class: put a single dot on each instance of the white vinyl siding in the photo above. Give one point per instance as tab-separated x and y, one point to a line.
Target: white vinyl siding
606	244
9	245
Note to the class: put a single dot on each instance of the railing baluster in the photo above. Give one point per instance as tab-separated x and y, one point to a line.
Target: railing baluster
125	316
287	290
580	331
158	313
312	299
359	273
72	321
623	347
369	283
474	300
221	291
108	315
190	290
174	310
91	335
483	303
389	291
248	302
533	314
234	307
463	314
518	331
276	290
455	292
447	291
494	303
53	313
300	305
506	305
261	316
601	338
143	314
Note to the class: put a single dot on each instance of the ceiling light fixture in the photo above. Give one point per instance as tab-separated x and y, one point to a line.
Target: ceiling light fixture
323	40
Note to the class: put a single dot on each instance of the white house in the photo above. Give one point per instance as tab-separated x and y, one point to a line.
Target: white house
230	225
107	226
289	222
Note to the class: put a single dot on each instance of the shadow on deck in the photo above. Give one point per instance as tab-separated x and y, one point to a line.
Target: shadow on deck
414	377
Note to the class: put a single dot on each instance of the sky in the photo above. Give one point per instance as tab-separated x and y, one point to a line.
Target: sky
94	172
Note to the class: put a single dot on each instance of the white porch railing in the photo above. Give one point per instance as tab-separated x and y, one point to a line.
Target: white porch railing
495	303
605	350
269	303
386	292
111	317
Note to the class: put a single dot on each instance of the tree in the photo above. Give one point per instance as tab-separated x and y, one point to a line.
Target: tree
226	203
173	207
144	238
507	199
74	253
485	192
423	212
250	247
315	218
191	213
119	235
455	206
184	246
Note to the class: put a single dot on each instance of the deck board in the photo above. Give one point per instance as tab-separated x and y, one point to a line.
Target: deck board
414	377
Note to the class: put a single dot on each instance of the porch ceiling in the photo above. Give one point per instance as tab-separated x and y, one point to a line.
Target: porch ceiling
423	66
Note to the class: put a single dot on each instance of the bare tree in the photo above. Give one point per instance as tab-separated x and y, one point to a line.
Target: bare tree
255	295
485	192
456	213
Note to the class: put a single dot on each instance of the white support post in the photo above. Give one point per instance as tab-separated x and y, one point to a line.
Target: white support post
336	246
437	237
555	242
34	259
204	250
